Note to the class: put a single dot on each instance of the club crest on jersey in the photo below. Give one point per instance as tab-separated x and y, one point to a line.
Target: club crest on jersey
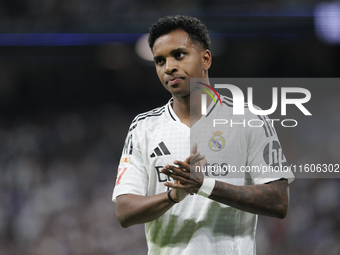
217	141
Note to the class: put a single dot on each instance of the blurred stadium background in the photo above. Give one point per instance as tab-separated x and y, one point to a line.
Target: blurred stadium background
73	76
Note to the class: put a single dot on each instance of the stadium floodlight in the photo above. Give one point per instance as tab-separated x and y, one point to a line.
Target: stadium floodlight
143	49
327	22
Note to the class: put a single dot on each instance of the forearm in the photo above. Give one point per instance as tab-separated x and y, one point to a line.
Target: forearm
270	199
266	199
135	209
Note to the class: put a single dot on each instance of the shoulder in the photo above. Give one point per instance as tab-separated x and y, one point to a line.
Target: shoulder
229	106
226	101
151	117
247	112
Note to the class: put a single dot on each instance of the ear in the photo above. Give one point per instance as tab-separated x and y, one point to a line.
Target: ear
206	55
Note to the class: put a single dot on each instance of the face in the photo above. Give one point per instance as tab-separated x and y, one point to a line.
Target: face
177	59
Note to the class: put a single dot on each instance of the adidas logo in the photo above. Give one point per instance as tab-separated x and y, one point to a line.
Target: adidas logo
160	150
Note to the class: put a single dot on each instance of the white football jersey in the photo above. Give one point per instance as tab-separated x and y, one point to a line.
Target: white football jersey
197	225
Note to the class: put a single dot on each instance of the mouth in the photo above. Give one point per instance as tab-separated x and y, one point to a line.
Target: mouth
174	81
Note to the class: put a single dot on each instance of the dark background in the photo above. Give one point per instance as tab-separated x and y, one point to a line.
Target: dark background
71	83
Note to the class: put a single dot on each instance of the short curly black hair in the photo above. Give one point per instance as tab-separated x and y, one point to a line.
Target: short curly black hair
196	30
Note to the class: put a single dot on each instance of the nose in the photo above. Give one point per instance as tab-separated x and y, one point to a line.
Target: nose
170	66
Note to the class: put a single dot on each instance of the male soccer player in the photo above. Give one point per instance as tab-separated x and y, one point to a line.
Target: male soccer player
153	181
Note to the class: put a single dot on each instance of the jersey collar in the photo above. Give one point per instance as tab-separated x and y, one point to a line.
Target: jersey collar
212	106
170	111
174	117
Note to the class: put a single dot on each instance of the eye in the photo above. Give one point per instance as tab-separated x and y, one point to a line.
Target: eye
179	55
160	61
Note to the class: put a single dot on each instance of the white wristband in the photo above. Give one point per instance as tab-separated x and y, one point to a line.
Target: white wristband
207	187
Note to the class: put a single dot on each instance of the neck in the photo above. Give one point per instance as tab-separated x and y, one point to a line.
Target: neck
188	108
181	107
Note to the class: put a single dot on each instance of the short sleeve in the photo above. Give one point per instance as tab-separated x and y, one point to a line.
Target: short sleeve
266	161
132	176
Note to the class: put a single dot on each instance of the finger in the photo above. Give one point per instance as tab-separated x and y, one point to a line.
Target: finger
183	165
193	158
194	148
194	170
175	169
175	172
184	168
196	158
176	178
199	168
193	152
187	160
203	162
174	185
